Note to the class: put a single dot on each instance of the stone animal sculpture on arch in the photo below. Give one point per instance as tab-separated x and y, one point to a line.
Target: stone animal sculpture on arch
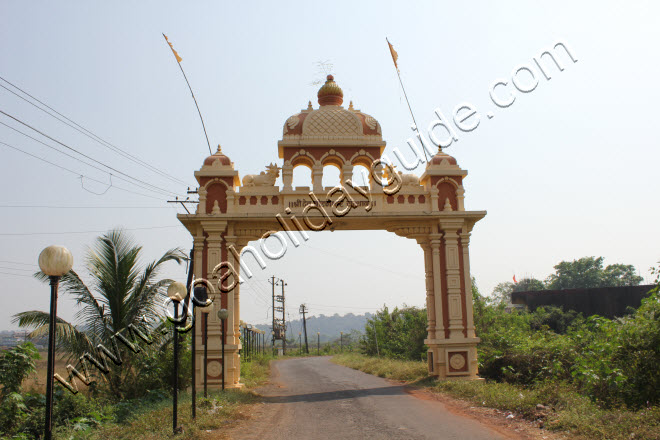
265	178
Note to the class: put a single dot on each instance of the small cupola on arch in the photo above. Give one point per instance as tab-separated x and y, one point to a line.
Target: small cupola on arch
329	135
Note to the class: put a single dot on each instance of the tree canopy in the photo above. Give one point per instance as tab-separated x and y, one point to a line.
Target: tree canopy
121	292
589	272
586	272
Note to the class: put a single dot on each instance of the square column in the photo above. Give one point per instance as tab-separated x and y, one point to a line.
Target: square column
452	351
232	325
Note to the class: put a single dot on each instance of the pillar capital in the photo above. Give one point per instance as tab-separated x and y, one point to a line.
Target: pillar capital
451	224
435	240
214	229
465	238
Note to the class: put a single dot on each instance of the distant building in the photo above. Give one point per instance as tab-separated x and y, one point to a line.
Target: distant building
12	338
610	302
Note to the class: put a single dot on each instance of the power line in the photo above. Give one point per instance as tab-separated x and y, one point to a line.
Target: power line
66	169
254	294
15	262
87	132
156	189
85	207
259	289
9	234
16	274
375	266
16	268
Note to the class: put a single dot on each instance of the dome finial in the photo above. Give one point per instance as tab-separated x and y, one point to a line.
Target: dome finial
219	149
330	93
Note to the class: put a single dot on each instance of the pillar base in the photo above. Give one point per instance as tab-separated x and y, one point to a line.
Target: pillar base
453	359
214	369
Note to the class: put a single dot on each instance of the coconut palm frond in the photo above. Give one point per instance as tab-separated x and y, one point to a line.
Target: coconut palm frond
147	294
69	339
145	305
114	266
92	311
122	292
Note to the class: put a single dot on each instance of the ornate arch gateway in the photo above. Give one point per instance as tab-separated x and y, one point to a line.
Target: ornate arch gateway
429	209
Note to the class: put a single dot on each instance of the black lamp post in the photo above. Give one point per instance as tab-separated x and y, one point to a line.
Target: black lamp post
54	261
318	343
223	314
341	339
176	292
250	337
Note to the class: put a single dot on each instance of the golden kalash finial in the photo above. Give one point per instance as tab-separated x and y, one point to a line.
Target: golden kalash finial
330	93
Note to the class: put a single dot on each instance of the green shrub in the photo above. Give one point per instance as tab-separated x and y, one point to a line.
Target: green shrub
398	335
16	364
613	362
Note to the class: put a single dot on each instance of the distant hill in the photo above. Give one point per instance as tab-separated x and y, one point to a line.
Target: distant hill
329	326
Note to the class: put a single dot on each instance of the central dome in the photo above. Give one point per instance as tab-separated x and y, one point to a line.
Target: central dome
331	121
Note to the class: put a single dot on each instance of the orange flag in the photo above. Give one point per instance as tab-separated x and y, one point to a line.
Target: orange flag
176	55
514	279
395	56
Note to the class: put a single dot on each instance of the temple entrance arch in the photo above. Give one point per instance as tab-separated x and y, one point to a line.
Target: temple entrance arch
429	209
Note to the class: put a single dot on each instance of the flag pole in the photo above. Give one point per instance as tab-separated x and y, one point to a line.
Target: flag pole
394	57
178	61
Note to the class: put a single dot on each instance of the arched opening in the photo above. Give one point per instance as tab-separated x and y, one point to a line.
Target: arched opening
361	281
302	176
360	175
331	176
447	191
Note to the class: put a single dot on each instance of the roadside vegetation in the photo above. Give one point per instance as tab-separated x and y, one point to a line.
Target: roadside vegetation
591	376
99	415
130	400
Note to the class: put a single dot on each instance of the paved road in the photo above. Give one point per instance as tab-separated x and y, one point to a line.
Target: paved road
312	398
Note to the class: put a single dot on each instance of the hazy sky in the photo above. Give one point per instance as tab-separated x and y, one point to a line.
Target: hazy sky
568	170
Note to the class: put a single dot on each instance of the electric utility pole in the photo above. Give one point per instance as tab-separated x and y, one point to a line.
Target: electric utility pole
279	325
282	283
303	310
274	332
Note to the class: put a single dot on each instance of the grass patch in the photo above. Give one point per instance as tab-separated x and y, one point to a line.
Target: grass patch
568	411
256	372
388	368
152	419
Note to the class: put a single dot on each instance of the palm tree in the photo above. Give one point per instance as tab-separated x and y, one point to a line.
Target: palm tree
120	293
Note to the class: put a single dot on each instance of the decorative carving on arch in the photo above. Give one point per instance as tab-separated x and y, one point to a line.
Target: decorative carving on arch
449	180
333	157
411	231
302	157
362	158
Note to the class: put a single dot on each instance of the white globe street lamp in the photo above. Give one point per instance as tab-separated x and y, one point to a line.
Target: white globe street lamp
54	261
176	292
